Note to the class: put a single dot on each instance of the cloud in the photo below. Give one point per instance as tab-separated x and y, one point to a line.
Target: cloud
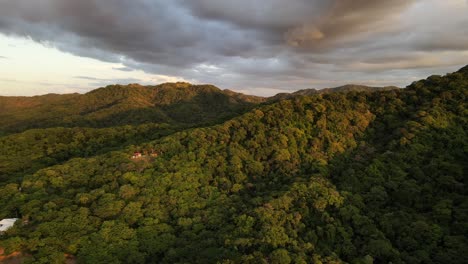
253	44
305	23
87	78
124	69
3	57
100	82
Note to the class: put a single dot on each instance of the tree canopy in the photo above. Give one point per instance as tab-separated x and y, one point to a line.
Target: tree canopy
339	177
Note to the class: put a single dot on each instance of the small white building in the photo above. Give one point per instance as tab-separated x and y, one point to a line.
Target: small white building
7	223
137	155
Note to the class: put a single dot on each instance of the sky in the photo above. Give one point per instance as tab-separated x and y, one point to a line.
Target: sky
259	47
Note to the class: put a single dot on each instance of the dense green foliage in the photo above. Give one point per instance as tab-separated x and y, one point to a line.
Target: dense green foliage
341	89
116	105
358	177
25	153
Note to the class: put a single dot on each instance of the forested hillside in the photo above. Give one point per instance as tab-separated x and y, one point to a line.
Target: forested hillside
117	105
344	177
27	152
340	89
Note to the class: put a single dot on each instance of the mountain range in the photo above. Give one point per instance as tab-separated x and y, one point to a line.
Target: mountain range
175	103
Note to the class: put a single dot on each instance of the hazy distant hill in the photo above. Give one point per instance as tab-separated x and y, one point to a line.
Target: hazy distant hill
120	105
344	88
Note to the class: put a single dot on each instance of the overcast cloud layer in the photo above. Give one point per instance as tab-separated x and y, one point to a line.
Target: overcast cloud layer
255	45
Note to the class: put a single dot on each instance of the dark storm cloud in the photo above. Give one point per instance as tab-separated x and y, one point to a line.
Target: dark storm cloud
247	43
303	23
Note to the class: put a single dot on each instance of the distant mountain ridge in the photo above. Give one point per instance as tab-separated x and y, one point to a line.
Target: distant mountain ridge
344	88
113	105
122	105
